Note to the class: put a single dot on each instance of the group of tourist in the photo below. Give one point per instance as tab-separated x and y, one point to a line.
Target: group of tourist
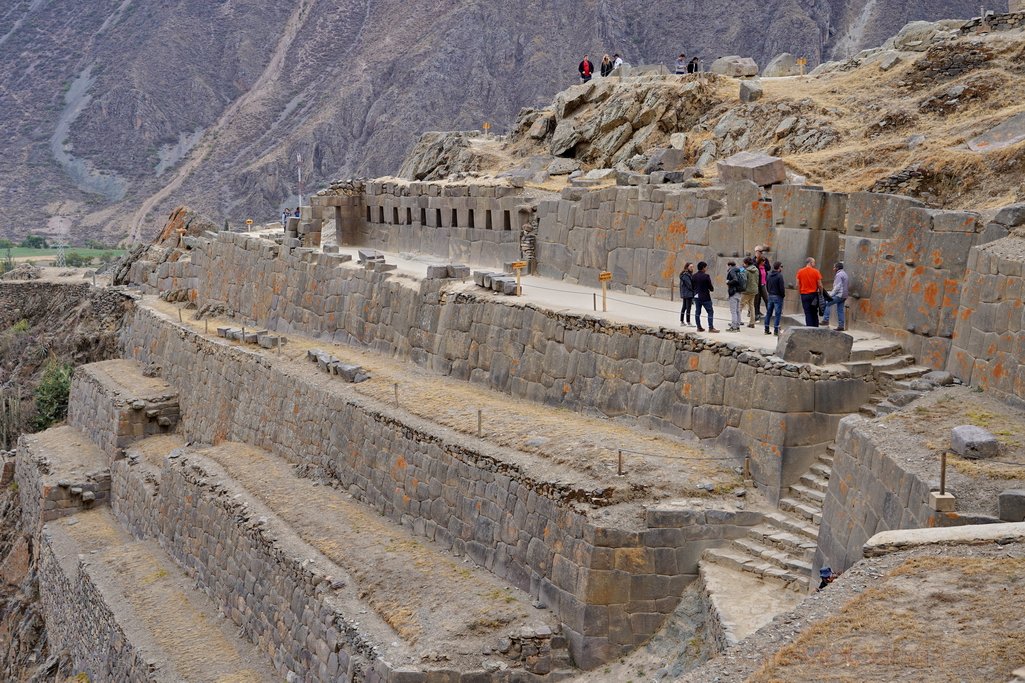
755	281
685	67
608	65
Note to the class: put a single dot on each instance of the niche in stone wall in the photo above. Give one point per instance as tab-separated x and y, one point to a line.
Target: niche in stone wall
369	217
380	214
487	221
507	220
437	218
423	217
395	215
470	220
409	216
455	219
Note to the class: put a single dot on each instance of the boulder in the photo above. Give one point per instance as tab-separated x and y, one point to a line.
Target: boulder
814	345
437	272
666	159
973	443
1011	216
1012	505
782	65
560	166
678	140
939	378
761	169
751	91
888	61
918	36
1001	136
735	66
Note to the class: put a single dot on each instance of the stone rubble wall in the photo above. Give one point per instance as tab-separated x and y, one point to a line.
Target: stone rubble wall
717	633
111	420
1011	21
612	587
80	621
242	560
868	493
774	412
989	335
474	223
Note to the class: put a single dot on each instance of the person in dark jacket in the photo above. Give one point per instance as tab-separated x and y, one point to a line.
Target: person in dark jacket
586	69
686	292
694	66
777	291
606	66
703	289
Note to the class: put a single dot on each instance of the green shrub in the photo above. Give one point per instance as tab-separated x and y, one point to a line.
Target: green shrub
52	394
76	260
20	326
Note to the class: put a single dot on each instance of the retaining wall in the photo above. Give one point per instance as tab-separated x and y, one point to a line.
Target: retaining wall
989	336
612	587
868	493
780	415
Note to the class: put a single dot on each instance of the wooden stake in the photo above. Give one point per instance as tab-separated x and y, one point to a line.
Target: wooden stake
943	473
396	394
604	296
479	423
619	470
180	315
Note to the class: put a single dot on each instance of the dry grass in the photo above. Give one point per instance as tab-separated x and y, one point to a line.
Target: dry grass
931	619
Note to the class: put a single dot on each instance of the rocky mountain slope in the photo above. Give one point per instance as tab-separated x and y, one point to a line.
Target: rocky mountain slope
114	111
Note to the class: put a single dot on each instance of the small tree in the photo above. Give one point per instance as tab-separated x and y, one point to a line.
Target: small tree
76	260
34	242
52	394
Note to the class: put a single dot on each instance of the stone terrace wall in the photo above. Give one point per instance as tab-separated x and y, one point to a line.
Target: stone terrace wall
612	587
79	621
774	412
473	222
868	493
989	336
247	567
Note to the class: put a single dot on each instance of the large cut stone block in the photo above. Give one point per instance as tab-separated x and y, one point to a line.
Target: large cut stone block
974	443
735	66
761	169
1012	505
816	345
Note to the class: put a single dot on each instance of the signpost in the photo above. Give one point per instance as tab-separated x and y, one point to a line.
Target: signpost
518	266
802	62
486	128
249	224
604	277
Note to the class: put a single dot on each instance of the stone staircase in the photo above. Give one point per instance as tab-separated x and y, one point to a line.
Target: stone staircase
781	548
892	371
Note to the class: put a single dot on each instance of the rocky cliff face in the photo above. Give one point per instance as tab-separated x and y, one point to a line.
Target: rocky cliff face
114	112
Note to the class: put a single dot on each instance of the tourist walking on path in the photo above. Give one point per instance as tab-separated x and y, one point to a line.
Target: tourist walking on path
777	290
763	274
736	283
284	217
839	295
703	289
586	69
606	66
752	285
617	61
809	284
686	292
681	64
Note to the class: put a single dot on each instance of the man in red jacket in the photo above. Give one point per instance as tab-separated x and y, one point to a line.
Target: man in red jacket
586	70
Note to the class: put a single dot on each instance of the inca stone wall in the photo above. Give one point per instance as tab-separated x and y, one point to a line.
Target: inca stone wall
477	223
780	415
989	336
80	621
612	587
240	558
868	493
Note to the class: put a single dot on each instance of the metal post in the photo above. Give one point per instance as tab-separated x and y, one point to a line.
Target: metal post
604	297
619	471
396	394
672	289
180	315
943	473
594	297
479	423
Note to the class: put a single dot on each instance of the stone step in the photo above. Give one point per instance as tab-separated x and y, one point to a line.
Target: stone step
869	410
798	546
146	619
904	373
793	525
893	363
735	559
801	509
876	352
808	494
822	470
398	595
815	482
742	602
782	559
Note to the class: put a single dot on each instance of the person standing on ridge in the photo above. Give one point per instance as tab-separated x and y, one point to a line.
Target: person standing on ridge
736	283
617	61
681	64
694	66
284	217
606	66
298	212
586	69
752	285
777	289
703	289
839	293
686	292
809	284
